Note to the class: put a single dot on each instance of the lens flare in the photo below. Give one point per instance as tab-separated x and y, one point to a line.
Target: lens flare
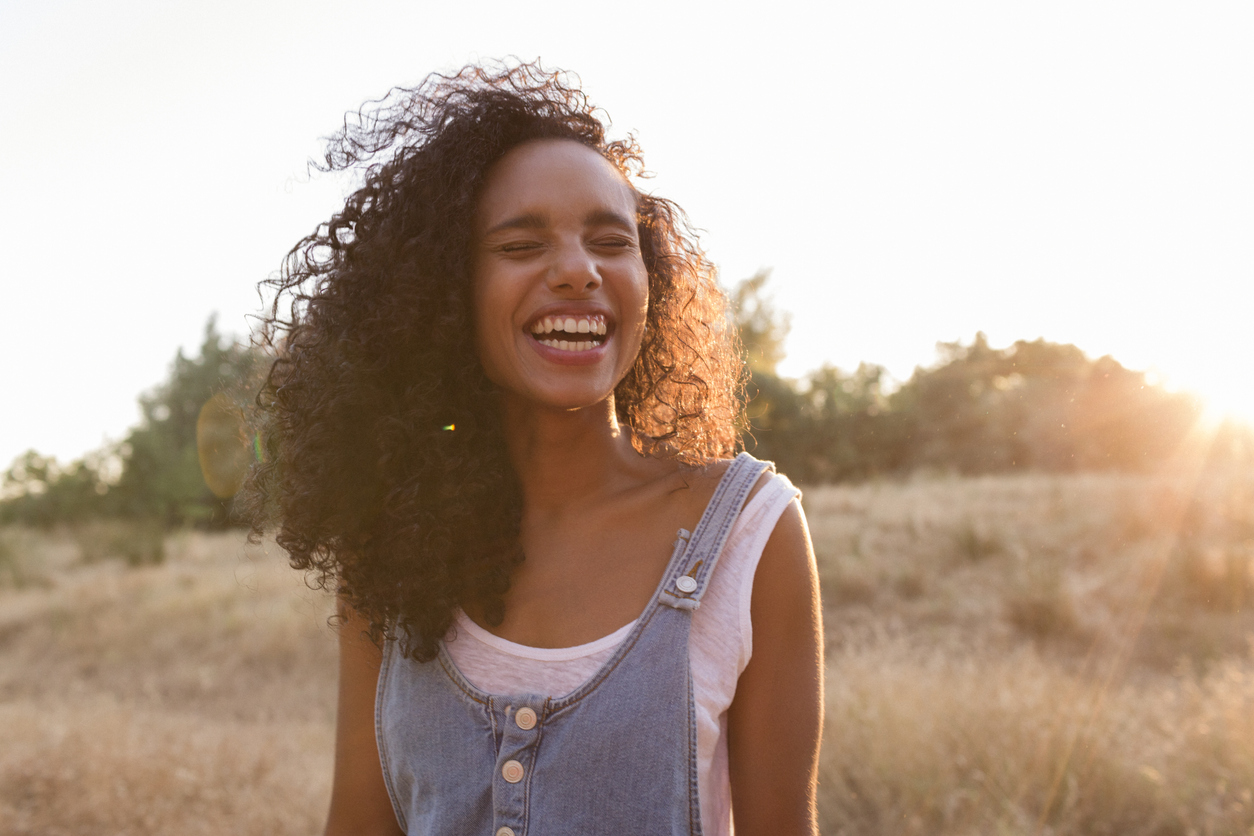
222	446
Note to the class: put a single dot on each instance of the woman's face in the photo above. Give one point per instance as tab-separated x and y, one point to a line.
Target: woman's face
560	286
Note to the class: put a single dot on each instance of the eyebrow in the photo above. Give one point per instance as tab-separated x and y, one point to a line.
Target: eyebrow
529	220
604	217
534	220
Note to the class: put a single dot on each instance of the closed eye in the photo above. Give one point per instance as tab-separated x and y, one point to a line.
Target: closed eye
614	242
520	246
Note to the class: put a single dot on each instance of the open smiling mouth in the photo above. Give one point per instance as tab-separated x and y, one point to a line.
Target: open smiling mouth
570	333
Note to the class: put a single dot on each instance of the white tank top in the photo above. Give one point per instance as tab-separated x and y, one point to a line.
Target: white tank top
720	644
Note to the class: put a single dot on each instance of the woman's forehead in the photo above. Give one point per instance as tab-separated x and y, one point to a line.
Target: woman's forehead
544	177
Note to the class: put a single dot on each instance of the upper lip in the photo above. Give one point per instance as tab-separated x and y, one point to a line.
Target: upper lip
571	309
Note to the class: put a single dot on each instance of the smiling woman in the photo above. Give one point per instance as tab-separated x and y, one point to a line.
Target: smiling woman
506	380
559	250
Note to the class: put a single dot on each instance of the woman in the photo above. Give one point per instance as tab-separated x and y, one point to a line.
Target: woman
506	380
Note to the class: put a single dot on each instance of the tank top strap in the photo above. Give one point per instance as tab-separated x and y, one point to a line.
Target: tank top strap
690	572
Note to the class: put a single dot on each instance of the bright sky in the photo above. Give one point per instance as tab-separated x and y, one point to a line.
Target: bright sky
912	171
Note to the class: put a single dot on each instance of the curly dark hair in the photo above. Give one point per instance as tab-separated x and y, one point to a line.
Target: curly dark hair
371	323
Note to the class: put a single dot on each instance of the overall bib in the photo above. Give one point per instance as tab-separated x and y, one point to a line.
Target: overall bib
618	755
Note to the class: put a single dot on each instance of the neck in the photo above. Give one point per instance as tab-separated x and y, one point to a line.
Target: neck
560	454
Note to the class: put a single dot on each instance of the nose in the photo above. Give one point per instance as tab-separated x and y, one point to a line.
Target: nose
575	270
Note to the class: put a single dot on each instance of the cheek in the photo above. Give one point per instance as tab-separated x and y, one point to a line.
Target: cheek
489	329
484	352
640	306
493	344
642	295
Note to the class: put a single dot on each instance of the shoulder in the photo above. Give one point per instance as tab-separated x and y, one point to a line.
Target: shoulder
788	556
703	480
784	582
728	600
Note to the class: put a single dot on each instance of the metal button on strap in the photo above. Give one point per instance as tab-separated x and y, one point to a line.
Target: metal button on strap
512	771
686	584
525	718
505	831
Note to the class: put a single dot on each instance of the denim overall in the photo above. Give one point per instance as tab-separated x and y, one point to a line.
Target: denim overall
618	755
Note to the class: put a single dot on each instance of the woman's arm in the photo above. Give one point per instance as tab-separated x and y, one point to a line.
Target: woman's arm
776	718
359	799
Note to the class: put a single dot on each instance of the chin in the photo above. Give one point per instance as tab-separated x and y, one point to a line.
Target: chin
567	399
576	402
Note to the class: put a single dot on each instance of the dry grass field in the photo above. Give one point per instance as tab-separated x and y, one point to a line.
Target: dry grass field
1006	655
196	696
1039	655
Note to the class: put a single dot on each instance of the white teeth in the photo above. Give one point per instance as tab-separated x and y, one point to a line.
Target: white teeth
567	345
570	325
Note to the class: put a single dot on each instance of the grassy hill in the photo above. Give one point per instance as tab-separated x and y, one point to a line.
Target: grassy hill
1011	654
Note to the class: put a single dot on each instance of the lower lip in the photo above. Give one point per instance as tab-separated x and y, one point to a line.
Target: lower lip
571	358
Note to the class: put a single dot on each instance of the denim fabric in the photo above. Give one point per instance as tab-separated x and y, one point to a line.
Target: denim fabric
618	755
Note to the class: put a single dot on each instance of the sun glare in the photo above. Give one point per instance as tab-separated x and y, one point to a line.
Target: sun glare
1218	410
1224	400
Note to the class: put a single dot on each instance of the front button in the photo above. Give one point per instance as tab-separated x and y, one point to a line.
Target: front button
512	771
505	831
686	584
525	718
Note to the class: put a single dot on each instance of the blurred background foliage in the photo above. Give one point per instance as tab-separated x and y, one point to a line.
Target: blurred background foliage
154	476
1034	406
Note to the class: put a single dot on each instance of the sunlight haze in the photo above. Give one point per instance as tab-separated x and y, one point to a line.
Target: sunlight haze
911	172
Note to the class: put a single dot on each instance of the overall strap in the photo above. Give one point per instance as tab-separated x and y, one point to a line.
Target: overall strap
689	575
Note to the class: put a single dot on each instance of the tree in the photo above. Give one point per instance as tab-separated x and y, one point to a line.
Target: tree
826	427
1037	405
181	464
762	328
162	474
40	491
773	409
